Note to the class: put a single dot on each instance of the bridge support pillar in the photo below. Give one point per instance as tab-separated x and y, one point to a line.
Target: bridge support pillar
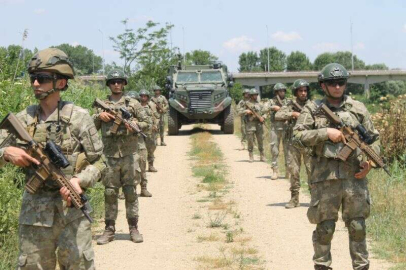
367	92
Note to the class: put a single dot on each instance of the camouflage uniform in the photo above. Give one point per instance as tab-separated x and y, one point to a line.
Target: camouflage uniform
295	155
163	103
152	133
333	184
278	130
46	225
254	128
240	111
122	167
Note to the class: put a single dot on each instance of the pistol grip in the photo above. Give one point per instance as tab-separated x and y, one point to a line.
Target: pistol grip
115	126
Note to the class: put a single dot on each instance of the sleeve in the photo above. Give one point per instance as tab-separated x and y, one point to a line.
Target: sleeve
143	121
96	120
304	132
165	104
93	148
369	126
285	113
240	108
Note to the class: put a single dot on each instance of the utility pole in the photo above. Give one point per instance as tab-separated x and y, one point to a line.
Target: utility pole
352	48
184	48
267	43
21	54
104	67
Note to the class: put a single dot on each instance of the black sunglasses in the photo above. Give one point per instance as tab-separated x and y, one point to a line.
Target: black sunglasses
118	81
41	78
334	83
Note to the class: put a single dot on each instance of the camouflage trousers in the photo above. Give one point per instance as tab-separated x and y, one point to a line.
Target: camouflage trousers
143	153
69	244
278	136
326	199
121	172
295	157
150	143
243	132
255	130
162	127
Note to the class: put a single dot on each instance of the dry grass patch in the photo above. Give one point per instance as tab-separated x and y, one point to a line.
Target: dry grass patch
213	237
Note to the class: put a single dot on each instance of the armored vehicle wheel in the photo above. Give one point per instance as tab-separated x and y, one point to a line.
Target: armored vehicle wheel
173	125
228	124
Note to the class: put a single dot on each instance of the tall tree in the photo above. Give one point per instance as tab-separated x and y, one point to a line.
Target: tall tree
298	61
132	44
249	61
84	60
277	59
200	57
13	60
343	58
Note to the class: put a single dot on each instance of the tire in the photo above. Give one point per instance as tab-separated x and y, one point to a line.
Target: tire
173	124
228	124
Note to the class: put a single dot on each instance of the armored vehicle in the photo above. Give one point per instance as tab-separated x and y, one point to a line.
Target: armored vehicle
199	94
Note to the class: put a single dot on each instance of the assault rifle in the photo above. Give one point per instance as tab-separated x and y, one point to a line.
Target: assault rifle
51	159
124	117
279	101
158	106
252	109
296	106
355	139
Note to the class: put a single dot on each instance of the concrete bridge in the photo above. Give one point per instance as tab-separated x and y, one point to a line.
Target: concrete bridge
365	77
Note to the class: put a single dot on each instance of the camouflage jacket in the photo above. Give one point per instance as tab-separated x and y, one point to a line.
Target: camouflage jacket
153	121
241	107
123	142
161	102
251	121
77	135
285	114
310	132
275	124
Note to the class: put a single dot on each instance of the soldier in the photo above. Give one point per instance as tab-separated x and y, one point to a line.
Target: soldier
290	113
162	106
240	110
254	125
121	153
278	129
336	183
49	231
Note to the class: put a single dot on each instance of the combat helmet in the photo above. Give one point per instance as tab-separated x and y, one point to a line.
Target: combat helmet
279	86
156	88
144	92
300	83
133	94
52	60
246	91
254	91
333	71
116	74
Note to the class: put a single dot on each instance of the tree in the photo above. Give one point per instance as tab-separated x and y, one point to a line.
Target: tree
13	61
298	61
380	66
200	57
343	58
132	44
83	59
277	59
249	61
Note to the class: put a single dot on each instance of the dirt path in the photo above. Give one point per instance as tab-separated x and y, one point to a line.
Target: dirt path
282	237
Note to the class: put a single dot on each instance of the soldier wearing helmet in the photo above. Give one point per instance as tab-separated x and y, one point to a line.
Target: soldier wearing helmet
278	128
122	158
254	125
335	183
133	94
290	113
240	111
162	105
49	231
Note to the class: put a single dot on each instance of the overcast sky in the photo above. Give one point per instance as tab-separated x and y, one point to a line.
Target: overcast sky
225	28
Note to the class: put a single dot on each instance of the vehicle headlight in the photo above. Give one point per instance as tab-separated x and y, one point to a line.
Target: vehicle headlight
218	96
181	97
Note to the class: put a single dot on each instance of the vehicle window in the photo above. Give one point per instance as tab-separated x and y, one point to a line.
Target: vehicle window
211	76
187	77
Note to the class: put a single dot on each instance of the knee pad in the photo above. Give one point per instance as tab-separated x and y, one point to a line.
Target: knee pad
129	193
111	195
357	229
325	231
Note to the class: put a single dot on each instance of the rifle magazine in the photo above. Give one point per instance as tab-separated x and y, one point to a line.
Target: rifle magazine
36	181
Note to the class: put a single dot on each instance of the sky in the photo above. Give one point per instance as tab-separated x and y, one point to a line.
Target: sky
225	28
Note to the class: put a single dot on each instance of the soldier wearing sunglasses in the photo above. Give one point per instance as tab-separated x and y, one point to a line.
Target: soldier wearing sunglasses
121	150
50	232
336	183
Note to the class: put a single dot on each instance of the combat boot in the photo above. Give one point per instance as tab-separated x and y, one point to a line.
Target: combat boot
151	167
275	174
135	235
144	191
366	267
262	157
108	234
287	175
322	267
163	143
294	201
243	145
251	157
